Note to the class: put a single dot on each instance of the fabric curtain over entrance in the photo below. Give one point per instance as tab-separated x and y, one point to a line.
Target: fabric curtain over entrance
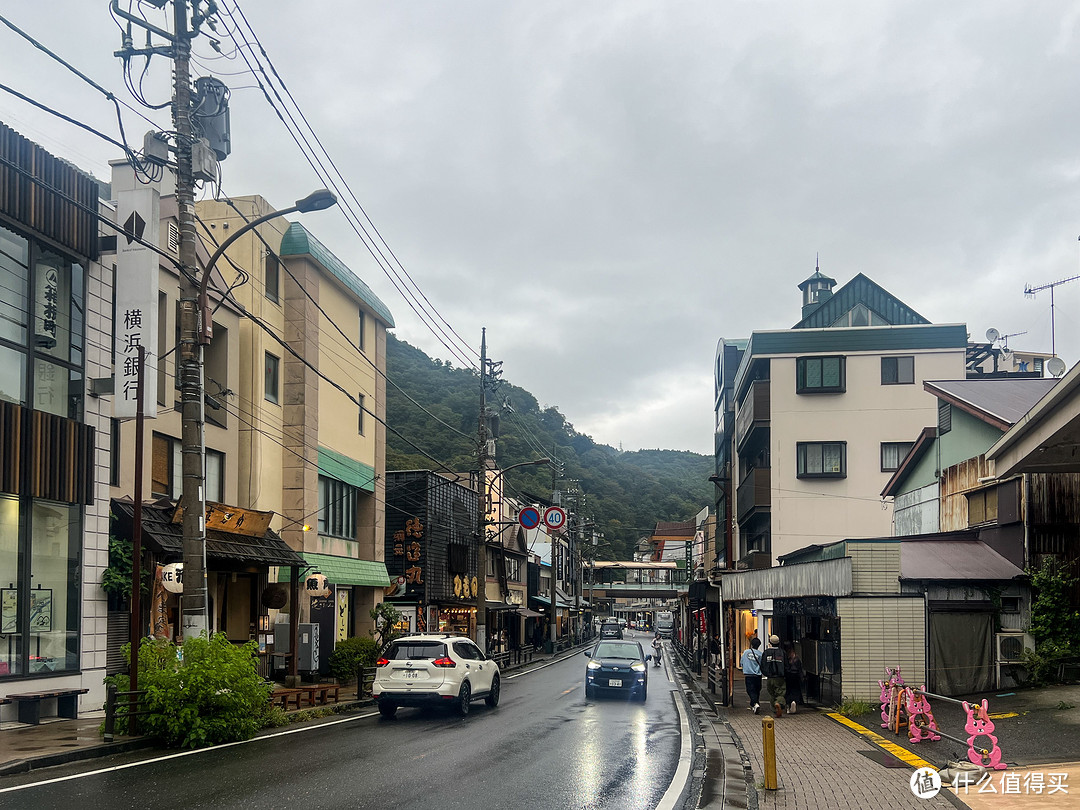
961	646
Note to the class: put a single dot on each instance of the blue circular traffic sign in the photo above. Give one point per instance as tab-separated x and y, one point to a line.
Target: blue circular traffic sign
529	517
554	518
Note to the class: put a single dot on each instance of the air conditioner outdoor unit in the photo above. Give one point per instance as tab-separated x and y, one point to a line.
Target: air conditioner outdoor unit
1010	646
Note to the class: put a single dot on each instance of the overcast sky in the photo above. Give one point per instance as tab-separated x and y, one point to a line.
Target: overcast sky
611	187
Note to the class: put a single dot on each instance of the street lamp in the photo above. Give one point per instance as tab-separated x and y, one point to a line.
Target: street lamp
195	334
481	550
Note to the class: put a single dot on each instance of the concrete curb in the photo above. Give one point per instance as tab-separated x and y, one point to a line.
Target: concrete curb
727	779
74	755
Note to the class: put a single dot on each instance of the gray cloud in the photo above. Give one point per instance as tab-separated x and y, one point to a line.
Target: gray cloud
611	187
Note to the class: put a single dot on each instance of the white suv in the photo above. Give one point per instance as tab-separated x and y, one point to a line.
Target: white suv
429	670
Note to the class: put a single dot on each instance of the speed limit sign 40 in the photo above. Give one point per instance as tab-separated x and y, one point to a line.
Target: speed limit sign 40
554	518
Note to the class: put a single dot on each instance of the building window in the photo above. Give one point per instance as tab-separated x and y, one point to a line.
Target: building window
982	506
273	274
337	508
270	384
898	370
167	470
822	459
820	375
513	569
362	327
360	417
114	453
892	453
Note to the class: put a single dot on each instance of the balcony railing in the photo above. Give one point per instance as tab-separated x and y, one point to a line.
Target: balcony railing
754	491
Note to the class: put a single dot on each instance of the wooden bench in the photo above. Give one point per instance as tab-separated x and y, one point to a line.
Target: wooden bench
67	704
320	693
286	696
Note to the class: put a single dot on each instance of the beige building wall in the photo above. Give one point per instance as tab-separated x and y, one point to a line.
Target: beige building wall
867	414
260	453
879	632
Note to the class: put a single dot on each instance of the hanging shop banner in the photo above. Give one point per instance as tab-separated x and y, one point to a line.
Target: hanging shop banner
159	613
343	613
138	213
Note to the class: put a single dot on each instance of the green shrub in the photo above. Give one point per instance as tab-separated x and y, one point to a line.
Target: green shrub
207	693
350	654
853	708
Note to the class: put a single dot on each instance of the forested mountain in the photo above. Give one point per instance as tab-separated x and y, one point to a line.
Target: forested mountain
625	493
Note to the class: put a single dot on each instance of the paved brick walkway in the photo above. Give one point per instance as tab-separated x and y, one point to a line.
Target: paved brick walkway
819	766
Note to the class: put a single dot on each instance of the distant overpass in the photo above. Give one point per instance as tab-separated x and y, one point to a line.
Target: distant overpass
613	579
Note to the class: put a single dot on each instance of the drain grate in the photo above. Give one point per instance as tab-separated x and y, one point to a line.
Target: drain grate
883	758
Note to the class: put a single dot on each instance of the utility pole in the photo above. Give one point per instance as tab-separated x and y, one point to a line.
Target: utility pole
553	633
482	507
193	497
189	365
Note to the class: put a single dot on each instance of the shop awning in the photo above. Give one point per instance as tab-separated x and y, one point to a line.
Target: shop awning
543	600
165	538
345	570
528	614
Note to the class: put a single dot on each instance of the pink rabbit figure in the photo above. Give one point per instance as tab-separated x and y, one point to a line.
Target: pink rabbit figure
921	725
979	724
892	682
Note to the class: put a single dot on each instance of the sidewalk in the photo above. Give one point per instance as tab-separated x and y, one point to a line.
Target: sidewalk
819	763
55	742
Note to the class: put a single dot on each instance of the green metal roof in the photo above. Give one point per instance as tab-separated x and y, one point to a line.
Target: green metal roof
860	290
298	242
352	472
344	570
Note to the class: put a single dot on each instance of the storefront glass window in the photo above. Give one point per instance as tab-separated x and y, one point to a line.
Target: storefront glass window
12	375
54	592
10	650
14	272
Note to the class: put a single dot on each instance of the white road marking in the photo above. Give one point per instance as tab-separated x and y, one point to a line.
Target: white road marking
682	773
185	753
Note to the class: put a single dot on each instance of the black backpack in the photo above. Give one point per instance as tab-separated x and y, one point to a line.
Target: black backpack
772	663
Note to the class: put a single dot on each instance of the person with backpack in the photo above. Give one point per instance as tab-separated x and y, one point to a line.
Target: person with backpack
751	667
772	667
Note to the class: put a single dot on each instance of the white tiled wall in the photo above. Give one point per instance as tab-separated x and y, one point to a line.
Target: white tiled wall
876	632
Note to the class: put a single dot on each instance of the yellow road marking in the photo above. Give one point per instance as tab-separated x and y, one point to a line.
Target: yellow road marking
1003	715
897	751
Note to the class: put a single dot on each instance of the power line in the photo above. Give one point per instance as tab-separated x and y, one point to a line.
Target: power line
318	164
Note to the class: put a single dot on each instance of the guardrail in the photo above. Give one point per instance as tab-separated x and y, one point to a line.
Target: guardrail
113	697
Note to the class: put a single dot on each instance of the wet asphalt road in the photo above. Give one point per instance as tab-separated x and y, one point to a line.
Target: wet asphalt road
545	746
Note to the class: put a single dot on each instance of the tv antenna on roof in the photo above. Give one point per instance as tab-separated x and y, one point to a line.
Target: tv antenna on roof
1029	292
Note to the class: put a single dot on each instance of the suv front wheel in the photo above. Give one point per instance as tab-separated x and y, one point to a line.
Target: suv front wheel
464	696
492	699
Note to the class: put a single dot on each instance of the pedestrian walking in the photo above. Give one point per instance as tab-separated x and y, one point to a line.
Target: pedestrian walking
772	667
714	650
793	675
751	667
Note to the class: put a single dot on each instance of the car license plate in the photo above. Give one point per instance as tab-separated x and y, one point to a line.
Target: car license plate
614	682
410	674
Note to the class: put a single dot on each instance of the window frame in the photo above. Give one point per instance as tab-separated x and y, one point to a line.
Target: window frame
802	450
360	417
335	509
983	497
276	397
801	374
895	362
900	457
272	269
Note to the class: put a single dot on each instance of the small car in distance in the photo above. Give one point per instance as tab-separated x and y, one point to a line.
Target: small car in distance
434	670
617	667
611	630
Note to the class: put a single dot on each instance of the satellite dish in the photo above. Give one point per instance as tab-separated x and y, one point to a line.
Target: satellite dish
1056	366
992	334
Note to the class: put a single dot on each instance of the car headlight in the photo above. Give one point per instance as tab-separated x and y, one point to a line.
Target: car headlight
594	665
638	667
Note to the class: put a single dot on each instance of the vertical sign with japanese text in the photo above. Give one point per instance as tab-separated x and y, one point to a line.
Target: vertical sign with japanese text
136	284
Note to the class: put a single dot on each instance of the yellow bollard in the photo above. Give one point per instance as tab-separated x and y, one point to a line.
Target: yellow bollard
768	740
